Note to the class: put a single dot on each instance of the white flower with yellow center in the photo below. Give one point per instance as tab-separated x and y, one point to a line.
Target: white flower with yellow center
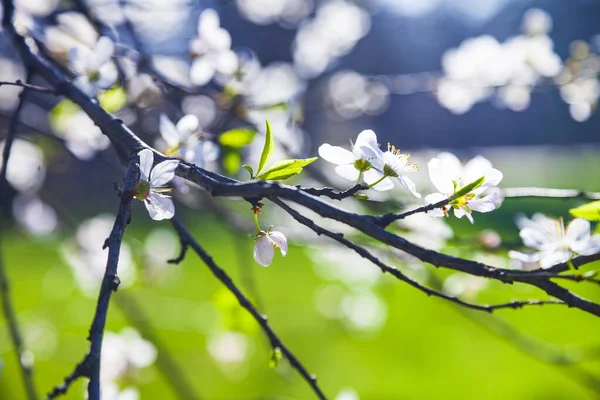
449	177
151	190
184	143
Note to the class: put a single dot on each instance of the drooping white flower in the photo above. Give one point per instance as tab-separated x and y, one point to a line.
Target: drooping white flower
211	49
183	143
266	243
449	176
94	68
365	160
554	243
150	188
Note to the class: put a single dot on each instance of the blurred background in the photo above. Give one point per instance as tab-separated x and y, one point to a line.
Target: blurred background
514	80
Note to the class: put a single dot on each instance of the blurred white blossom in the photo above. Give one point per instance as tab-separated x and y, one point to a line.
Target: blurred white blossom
94	69
211	50
87	259
464	285
26	171
124	354
264	12
352	94
425	231
183	140
228	348
554	243
35	216
336	28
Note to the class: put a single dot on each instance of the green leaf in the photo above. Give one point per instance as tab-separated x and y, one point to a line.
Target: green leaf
286	164
279	174
250	170
360	196
113	99
276	356
468	188
237	138
232	160
267	149
60	116
589	211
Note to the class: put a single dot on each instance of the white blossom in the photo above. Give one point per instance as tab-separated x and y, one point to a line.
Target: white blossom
449	176
150	188
395	164
266	243
182	141
125	352
364	161
554	243
94	68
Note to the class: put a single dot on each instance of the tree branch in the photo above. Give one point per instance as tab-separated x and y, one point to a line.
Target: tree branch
220	274
550	193
90	366
28	86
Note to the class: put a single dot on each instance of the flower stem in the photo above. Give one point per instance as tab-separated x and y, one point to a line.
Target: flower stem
360	174
256	223
572	267
378	181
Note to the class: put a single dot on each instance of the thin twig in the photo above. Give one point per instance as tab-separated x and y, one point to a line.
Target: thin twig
7	306
28	86
332	193
363	252
90	366
276	343
550	193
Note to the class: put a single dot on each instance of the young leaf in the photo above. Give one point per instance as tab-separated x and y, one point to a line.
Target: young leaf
279	174
468	188
276	356
287	164
589	211
267	149
250	170
113	99
237	138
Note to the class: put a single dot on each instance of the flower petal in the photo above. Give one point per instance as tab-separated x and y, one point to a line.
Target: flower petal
484	204
264	251
432	199
103	51
347	172
86	86
187	125
462	212
536	239
372	175
475	168
336	155
79	60
159	207
146	161
439	177
201	71
551	258
408	184
578	234
279	239
108	76
163	172
168	131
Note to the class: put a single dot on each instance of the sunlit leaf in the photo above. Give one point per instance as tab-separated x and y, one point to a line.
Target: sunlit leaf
113	99
237	138
280	174
468	188
589	211
267	149
60	115
286	165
